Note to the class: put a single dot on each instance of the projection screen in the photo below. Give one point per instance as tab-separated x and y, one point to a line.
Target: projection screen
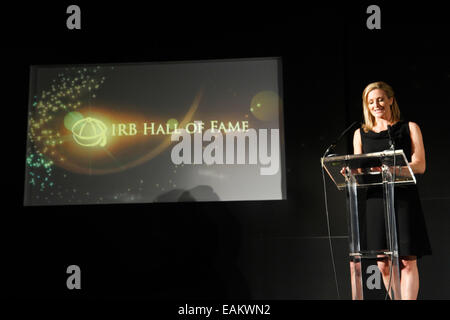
208	130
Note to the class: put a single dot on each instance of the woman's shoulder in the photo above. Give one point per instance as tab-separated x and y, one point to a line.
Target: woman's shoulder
413	128
413	125
408	125
362	130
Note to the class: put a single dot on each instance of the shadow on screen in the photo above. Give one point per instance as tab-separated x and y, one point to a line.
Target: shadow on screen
199	193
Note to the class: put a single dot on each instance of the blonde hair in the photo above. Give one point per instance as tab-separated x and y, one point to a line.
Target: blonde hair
369	119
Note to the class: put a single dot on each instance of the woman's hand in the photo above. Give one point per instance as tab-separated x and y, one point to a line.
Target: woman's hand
344	171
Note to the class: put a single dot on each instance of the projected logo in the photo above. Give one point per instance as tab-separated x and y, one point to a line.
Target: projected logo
89	132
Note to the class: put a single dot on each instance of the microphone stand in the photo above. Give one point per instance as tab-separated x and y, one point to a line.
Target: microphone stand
331	147
335	142
391	147
391	141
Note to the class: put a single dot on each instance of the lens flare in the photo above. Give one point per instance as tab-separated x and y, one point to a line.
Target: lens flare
172	124
71	118
265	105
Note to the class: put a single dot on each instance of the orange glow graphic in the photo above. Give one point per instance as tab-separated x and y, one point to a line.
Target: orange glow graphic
91	147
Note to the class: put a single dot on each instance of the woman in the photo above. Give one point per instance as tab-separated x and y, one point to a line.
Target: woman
380	110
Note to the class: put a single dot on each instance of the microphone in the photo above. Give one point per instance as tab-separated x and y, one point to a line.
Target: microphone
391	141
335	142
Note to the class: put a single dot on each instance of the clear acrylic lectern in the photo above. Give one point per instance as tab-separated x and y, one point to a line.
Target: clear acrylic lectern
350	172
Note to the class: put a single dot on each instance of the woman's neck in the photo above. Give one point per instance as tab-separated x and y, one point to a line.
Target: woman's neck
382	124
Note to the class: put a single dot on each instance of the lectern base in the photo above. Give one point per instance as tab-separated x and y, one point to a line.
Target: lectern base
358	270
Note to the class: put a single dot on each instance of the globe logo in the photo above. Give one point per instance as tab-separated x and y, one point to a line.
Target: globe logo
89	132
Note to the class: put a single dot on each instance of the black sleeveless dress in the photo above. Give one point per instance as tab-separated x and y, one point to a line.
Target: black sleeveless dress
411	229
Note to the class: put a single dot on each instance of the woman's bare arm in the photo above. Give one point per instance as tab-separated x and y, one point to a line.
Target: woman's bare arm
357	144
418	163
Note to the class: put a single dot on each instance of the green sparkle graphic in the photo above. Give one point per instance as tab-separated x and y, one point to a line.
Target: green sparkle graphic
69	91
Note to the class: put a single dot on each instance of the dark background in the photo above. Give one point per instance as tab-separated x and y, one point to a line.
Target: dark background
227	250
